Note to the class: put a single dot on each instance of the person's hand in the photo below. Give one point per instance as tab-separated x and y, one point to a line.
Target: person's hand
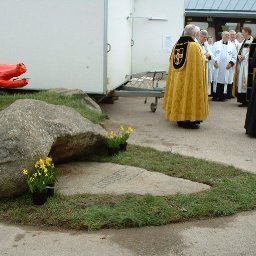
241	58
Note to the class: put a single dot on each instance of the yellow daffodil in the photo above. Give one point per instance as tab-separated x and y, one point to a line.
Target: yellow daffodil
37	164
25	172
121	128
48	161
129	130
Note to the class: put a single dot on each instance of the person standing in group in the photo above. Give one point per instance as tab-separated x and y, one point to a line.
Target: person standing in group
241	76
196	38
225	55
209	44
250	121
185	98
237	44
208	57
233	39
239	38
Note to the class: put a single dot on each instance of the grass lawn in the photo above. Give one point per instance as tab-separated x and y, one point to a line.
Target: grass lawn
57	99
232	191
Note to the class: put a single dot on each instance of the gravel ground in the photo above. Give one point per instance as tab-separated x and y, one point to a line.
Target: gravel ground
221	137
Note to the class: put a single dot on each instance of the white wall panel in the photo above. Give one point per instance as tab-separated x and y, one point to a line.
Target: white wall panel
60	41
151	36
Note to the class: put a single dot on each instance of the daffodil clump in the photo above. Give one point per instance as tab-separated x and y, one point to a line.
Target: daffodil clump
43	175
124	134
114	139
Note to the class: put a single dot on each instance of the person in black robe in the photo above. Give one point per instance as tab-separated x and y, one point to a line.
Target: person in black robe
250	121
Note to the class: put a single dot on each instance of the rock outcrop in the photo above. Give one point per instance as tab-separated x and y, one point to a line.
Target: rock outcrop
32	129
90	103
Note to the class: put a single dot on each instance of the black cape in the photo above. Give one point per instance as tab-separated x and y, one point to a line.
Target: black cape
250	121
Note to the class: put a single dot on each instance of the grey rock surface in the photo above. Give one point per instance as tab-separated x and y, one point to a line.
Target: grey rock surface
84	96
108	178
32	129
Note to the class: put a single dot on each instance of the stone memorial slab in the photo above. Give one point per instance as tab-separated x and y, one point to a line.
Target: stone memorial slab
108	178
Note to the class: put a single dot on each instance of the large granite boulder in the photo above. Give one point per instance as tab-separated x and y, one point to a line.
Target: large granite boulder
32	129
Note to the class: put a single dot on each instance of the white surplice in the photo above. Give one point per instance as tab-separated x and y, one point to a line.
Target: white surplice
243	68
223	55
207	51
233	69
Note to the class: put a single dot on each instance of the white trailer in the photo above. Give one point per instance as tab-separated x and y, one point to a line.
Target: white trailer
92	45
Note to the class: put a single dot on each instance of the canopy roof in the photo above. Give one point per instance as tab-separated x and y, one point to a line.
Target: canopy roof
221	8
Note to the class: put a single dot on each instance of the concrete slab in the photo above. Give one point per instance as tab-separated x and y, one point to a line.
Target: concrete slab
229	236
29	241
108	178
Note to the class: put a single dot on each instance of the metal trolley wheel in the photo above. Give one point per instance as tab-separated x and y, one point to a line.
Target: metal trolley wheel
153	107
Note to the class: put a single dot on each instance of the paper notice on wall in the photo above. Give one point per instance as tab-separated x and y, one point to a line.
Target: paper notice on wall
167	43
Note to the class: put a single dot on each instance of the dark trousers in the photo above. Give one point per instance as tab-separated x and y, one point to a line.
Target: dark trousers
242	98
229	91
219	94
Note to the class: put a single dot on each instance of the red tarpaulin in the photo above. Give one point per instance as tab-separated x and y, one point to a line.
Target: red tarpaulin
7	74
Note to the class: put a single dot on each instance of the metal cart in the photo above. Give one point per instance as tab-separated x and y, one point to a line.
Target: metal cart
143	85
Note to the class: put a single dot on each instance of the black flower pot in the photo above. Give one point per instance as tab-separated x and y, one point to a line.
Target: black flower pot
113	151
39	198
123	146
50	190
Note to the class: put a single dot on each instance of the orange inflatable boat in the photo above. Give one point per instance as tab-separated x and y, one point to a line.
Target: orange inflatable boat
9	74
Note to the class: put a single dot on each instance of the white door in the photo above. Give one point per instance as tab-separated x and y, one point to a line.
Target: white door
156	27
119	42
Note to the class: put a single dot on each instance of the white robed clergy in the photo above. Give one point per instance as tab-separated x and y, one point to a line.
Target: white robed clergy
242	67
209	45
225	55
206	50
237	45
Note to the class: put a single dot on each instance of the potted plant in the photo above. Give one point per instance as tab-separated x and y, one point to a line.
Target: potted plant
41	180
46	166
112	142
37	186
117	141
124	135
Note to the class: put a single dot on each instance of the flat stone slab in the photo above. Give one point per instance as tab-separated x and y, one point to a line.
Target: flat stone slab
108	178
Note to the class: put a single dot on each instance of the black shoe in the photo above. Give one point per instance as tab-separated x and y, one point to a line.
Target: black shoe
191	126
214	99
242	105
180	123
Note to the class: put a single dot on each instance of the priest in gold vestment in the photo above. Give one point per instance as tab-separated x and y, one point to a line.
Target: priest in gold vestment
186	98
